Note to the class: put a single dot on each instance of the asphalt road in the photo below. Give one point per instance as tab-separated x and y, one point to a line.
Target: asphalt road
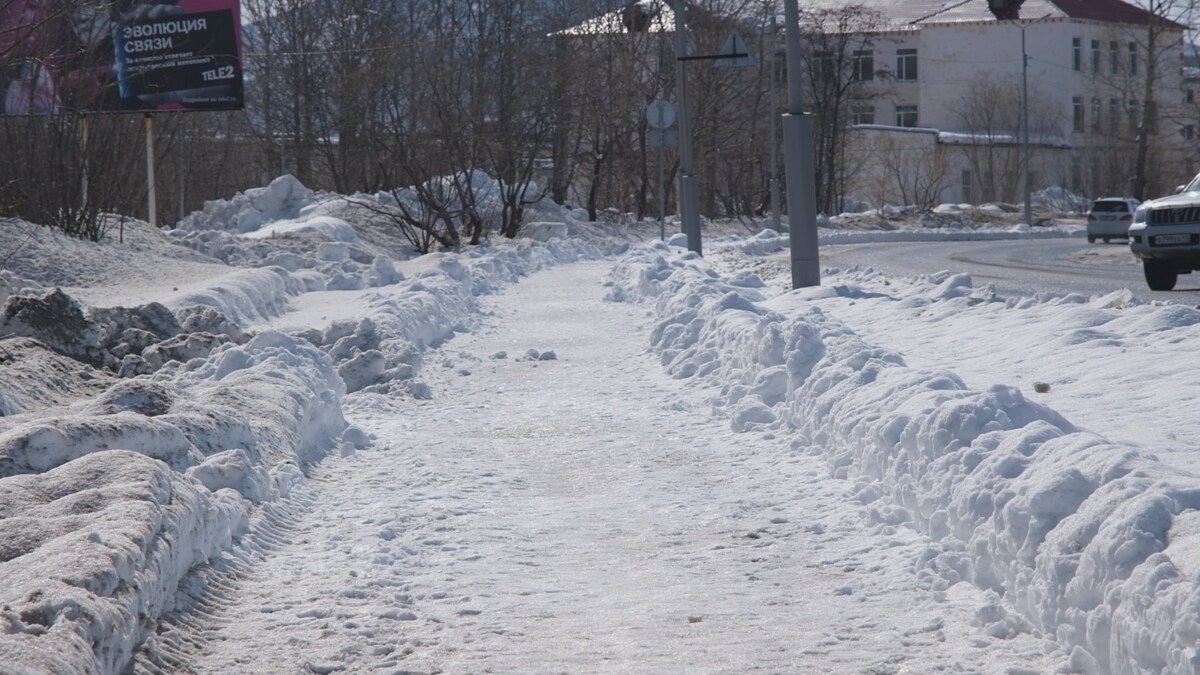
1019	267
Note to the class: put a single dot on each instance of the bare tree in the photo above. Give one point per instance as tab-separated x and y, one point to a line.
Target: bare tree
911	168
1162	37
989	112
61	167
424	215
839	75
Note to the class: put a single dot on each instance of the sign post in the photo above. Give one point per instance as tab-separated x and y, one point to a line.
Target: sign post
734	54
151	186
660	115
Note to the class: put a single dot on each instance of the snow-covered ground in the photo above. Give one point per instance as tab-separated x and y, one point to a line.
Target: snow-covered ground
275	440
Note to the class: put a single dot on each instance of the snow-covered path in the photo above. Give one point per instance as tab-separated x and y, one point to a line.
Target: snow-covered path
521	521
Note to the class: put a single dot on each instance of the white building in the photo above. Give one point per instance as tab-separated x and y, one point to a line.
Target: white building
941	88
948	83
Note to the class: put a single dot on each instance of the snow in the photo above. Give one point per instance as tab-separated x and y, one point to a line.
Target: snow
281	441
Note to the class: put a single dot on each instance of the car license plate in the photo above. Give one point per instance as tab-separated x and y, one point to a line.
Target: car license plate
1172	239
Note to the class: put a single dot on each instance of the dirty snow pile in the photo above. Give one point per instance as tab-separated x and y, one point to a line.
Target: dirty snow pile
1088	541
140	444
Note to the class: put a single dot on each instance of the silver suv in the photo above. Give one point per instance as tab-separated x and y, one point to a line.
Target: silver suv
1165	234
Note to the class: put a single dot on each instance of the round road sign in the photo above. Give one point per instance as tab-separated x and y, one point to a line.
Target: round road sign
660	114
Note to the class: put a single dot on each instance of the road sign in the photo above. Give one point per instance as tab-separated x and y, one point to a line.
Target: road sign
660	114
734	53
662	138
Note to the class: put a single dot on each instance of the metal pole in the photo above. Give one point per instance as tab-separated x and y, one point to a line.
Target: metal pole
689	185
84	136
182	187
663	198
1025	126
662	173
152	195
798	163
775	224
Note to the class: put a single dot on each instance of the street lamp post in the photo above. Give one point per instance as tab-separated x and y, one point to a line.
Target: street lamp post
798	163
689	184
1025	127
774	71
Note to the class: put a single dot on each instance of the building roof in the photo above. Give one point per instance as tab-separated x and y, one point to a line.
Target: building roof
654	16
641	16
918	12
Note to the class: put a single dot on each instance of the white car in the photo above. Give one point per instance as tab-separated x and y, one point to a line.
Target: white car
1166	235
1110	218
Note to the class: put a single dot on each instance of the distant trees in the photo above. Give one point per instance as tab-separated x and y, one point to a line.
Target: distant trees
840	74
909	169
1141	103
991	109
1158	42
58	167
364	96
67	170
477	109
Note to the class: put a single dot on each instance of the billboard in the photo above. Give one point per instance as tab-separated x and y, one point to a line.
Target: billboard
119	56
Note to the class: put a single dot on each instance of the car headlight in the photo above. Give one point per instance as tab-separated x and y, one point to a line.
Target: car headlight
1139	216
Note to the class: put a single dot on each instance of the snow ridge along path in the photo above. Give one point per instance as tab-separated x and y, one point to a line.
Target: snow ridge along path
560	504
1089	541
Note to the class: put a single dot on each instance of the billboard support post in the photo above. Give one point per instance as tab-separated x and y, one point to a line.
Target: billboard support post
84	130
151	194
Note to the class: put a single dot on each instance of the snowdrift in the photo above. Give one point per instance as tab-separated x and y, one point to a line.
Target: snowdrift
171	431
1091	543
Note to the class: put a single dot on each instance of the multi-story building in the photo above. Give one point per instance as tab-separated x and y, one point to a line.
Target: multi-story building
945	120
942	90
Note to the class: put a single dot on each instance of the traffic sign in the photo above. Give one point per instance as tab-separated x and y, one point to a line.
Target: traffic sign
660	114
734	53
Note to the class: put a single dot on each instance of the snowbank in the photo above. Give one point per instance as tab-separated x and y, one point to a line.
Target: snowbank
249	211
101	518
1090	542
196	431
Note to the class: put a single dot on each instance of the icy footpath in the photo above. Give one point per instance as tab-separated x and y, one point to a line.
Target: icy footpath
1083	541
111	511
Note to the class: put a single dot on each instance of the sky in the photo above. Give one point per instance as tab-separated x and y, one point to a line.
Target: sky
271	440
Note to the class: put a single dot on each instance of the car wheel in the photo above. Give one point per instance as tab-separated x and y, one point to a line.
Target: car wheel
1106	240
1159	275
1091	239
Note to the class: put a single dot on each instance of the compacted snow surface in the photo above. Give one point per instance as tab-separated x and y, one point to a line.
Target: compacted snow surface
276	441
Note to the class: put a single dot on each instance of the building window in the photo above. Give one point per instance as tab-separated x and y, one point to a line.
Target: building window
906	64
1189	96
1114	58
1077	113
966	188
824	63
1132	108
1133	58
1096	57
906	115
1095	114
1189	132
1077	174
864	66
1077	53
863	114
1114	114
